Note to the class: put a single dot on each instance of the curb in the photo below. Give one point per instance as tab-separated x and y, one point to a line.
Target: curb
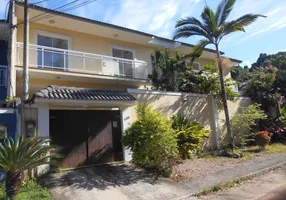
249	176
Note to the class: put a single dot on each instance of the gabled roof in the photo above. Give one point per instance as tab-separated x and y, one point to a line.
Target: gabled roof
73	93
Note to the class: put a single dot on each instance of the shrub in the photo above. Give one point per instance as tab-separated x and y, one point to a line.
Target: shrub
262	138
190	135
246	120
152	140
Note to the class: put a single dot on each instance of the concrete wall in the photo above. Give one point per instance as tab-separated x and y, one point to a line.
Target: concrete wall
195	107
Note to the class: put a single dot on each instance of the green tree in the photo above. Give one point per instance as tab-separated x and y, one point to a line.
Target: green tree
152	140
239	73
214	28
22	154
208	82
246	120
169	72
260	88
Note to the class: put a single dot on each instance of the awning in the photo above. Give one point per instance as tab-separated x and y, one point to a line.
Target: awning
54	92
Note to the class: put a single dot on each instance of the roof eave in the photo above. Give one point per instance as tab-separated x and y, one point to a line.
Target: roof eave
106	24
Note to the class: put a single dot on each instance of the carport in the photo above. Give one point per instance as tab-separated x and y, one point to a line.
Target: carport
85	125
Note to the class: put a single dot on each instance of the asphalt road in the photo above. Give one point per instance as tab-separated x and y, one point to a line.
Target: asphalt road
271	186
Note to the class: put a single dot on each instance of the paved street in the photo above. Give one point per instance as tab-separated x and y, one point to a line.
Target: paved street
271	186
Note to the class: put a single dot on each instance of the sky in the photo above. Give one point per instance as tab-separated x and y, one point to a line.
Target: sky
158	17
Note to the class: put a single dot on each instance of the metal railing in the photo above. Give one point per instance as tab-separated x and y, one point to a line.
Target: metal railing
75	61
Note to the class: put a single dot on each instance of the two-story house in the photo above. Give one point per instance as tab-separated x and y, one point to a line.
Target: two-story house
81	72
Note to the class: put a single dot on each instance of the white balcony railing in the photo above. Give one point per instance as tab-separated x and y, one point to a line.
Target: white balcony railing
75	61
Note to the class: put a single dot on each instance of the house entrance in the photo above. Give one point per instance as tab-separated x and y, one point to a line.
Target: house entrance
86	137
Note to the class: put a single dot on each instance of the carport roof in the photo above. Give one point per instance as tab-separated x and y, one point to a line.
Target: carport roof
73	93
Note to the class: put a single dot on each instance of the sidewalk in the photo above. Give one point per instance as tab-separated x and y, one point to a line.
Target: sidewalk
253	169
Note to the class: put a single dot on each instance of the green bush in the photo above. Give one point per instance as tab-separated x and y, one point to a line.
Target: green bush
262	138
190	135
152	140
246	120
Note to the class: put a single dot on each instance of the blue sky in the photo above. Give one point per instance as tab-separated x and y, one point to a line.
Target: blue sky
158	18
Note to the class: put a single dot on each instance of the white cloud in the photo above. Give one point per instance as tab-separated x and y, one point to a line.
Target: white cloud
275	17
152	16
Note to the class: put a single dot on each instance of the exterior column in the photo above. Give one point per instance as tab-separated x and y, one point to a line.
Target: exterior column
126	123
215	122
43	130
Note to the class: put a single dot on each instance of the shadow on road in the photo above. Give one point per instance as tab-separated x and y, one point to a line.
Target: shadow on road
99	177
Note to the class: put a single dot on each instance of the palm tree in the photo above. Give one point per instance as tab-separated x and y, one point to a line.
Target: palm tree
214	28
22	154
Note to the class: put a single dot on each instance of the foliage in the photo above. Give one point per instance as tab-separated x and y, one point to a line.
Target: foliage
22	154
262	138
260	87
190	135
278	60
28	190
246	120
239	73
168	72
213	28
152	140
208	82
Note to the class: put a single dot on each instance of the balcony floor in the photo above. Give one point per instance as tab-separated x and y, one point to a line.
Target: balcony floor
50	74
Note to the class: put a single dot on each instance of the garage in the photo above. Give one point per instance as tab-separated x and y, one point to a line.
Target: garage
84	124
86	137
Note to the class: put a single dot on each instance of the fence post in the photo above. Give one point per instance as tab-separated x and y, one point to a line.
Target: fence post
216	121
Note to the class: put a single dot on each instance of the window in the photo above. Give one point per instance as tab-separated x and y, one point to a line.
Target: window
51	57
125	67
3	131
3	76
196	65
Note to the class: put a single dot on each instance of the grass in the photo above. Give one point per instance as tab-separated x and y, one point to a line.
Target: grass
276	148
222	186
30	190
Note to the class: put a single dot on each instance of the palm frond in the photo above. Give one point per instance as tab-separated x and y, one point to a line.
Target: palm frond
25	154
191	21
223	11
209	20
238	24
190	30
198	49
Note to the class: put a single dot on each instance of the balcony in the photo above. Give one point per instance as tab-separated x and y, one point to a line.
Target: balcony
82	62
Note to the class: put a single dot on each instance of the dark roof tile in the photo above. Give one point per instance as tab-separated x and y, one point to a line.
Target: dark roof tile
72	93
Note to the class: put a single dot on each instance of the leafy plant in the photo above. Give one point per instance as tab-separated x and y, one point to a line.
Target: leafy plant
210	84
190	135
169	72
260	87
22	154
213	28
262	138
246	120
152	140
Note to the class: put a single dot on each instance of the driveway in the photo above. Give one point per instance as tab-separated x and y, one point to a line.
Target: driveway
113	181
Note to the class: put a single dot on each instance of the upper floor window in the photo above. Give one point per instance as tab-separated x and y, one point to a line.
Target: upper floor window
51	57
125	66
196	65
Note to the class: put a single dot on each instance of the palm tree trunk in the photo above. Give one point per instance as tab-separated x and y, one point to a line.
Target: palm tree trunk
12	182
224	98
